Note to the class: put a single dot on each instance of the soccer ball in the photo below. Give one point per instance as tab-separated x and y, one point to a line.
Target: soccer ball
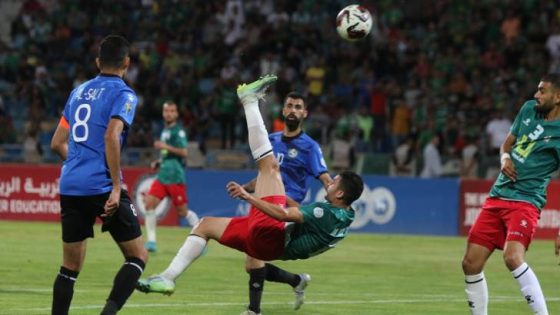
353	22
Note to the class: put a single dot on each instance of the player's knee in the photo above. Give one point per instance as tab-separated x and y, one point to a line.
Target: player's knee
201	227
471	266
268	164
513	259
150	203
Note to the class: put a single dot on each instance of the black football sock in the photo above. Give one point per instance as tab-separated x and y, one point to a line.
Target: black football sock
256	283
125	281
276	274
63	290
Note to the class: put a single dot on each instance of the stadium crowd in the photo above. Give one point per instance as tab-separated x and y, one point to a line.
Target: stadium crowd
448	68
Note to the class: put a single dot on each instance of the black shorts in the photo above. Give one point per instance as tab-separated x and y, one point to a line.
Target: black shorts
78	214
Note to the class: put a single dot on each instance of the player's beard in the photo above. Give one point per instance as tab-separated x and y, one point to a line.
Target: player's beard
293	124
543	109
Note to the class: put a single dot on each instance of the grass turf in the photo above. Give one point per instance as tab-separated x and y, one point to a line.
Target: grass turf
365	274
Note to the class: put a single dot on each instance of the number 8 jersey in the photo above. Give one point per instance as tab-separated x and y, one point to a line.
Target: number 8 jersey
88	110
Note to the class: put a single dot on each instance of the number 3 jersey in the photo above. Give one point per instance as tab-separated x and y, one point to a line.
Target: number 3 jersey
88	110
535	155
323	226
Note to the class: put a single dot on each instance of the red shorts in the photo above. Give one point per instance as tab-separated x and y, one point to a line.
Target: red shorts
257	234
504	220
177	192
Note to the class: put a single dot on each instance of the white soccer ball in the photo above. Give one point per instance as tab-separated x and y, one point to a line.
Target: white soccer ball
353	22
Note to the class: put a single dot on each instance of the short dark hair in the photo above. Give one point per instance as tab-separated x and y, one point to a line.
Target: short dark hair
352	185
112	52
297	96
553	78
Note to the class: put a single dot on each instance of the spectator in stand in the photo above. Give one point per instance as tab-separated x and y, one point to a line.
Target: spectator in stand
497	130
470	157
433	167
403	161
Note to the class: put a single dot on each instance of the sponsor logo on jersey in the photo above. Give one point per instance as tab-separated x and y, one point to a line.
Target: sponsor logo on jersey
527	121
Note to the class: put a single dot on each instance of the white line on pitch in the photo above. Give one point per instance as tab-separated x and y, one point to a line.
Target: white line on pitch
218	304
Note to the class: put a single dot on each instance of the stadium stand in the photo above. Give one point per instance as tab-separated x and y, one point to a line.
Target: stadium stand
426	67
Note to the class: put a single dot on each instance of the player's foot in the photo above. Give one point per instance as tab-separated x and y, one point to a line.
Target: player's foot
299	290
151	246
256	89
249	312
156	284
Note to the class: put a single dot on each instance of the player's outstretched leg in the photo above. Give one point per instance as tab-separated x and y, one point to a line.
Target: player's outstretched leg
269	182
249	94
156	284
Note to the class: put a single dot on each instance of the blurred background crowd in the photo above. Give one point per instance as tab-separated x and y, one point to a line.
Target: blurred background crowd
431	92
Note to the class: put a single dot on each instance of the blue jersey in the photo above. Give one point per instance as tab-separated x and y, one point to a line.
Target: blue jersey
299	157
88	110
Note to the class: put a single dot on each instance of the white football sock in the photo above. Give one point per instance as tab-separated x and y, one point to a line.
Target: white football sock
477	293
189	252
258	136
192	218
530	288
150	220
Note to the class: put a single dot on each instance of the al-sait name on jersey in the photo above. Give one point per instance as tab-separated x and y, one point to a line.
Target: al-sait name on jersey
535	155
324	225
88	110
299	157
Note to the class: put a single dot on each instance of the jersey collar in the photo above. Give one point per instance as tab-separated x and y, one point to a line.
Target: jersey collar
288	139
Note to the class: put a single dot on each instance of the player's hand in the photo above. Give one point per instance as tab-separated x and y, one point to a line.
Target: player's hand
154	165
509	169
160	145
237	191
112	204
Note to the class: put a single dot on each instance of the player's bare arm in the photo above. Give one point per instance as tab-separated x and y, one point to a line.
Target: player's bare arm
325	179
290	214
113	156
59	142
250	186
160	145
507	166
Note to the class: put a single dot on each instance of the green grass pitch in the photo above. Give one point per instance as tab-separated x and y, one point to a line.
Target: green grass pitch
366	274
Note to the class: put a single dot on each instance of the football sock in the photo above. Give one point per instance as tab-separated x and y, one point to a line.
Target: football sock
477	293
125	280
530	288
275	274
258	136
256	283
192	249
150	219
111	308
63	290
192	218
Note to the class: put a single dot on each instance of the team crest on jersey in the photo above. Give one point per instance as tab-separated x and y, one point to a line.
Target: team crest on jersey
292	153
524	223
318	212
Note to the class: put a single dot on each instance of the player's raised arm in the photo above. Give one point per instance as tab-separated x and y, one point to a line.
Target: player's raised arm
59	141
290	214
